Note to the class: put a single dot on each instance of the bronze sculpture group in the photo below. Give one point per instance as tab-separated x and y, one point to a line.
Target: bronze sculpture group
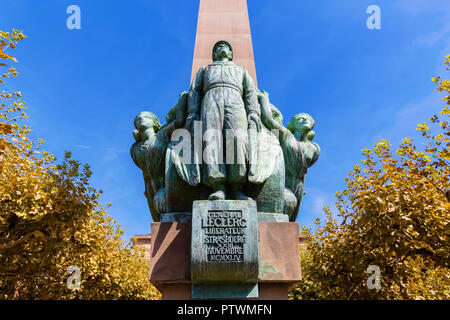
224	140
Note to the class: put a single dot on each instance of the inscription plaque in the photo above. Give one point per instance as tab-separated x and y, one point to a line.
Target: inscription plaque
225	235
224	249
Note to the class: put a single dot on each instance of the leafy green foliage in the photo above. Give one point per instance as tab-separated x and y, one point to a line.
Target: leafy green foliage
50	219
394	213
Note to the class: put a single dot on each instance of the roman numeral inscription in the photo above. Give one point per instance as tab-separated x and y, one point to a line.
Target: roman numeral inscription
224	235
224	249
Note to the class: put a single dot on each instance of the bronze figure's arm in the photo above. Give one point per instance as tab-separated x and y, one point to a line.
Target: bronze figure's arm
195	98
251	101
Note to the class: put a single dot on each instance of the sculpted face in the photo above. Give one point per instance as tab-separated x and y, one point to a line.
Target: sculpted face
304	122
222	51
300	125
147	125
143	123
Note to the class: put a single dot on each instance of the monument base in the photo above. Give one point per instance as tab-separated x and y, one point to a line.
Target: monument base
224	249
267	291
279	261
225	291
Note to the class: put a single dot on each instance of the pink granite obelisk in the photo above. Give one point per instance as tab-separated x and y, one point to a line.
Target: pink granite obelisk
170	250
224	20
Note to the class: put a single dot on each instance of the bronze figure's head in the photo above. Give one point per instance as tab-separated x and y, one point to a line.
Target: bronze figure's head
222	49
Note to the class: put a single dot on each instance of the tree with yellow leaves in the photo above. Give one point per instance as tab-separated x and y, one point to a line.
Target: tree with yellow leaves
53	231
394	214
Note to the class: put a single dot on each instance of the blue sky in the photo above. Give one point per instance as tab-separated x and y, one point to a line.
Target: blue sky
84	87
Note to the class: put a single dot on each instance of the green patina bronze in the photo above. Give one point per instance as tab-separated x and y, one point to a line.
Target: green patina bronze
269	160
225	162
224	249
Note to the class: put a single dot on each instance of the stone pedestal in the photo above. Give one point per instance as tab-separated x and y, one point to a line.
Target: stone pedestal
267	291
279	262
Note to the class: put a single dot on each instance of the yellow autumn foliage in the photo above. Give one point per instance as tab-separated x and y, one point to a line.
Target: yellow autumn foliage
50	218
395	214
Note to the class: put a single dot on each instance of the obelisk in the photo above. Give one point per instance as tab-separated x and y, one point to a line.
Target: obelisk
224	249
224	20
